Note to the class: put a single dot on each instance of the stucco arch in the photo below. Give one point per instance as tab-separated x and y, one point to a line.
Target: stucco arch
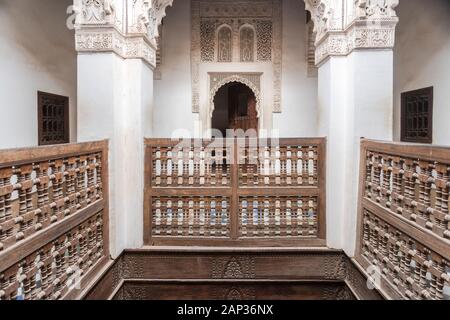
230	79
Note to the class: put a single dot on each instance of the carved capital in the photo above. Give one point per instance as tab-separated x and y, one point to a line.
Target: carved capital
343	26
321	14
145	16
128	28
376	9
95	12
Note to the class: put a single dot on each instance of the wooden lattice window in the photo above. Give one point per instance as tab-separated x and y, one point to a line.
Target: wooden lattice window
417	116
53	119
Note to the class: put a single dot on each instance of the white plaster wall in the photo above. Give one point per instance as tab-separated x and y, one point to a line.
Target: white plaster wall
331	104
173	92
299	92
422	59
172	109
37	53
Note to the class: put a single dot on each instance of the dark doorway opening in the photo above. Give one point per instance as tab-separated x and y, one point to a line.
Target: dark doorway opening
235	108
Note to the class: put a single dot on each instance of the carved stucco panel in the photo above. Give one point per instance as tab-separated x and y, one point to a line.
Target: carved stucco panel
265	17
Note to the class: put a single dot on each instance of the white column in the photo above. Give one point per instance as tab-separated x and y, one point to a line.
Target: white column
115	103
355	97
116	44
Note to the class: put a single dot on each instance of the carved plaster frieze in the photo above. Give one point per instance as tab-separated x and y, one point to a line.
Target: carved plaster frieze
111	40
128	28
358	36
344	26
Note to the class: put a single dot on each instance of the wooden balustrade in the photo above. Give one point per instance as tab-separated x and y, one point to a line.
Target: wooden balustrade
229	192
53	219
404	220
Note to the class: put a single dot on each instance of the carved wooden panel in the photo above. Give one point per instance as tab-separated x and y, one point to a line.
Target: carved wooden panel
53	119
233	190
53	219
234	267
175	265
404	218
236	291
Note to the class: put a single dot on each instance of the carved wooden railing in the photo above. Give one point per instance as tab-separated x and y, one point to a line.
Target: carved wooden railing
404	220
53	219
227	192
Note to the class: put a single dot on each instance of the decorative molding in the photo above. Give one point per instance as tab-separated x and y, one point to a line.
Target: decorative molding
335	267
207	43
311	51
234	293
195	54
277	55
358	36
248	265
338	293
240	267
264	38
111	40
157	75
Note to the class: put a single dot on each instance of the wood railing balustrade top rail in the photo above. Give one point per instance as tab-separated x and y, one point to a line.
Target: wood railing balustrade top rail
19	156
224	191
53	219
436	153
404	219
